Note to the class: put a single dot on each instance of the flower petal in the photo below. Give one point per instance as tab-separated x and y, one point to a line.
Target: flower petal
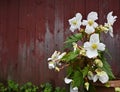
72	28
111	31
87	45
103	77
111	19
95	25
51	65
78	16
85	22
89	29
92	16
75	89
94	38
67	81
95	78
101	47
63	54
91	53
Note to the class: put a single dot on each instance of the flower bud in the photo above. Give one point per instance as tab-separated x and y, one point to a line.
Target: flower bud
98	62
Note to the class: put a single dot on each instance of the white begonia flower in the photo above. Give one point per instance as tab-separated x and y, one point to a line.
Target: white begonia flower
93	46
56	56
90	22
75	22
73	89
102	76
54	60
68	81
51	65
110	21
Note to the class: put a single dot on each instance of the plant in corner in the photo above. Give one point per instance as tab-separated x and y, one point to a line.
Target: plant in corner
85	62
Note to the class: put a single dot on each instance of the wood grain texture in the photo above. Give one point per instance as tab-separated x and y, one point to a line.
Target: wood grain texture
31	30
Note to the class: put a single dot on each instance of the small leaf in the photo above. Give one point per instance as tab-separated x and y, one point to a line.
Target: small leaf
70	56
77	79
69	71
74	38
106	67
85	71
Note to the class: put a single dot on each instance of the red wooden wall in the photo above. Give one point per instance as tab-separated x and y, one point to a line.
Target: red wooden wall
30	31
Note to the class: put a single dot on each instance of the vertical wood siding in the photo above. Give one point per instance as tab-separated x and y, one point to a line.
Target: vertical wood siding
30	31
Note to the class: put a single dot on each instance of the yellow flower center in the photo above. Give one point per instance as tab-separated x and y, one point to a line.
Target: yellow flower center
94	46
74	22
90	22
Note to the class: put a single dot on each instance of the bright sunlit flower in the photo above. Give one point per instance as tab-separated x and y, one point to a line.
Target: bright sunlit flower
102	76
110	21
90	22
93	46
75	22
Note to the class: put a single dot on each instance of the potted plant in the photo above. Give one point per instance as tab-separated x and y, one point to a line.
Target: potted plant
85	56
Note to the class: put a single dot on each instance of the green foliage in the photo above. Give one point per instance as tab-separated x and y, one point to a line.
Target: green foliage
107	68
77	79
74	38
71	56
69	70
85	71
92	88
3	88
28	87
71	39
47	87
13	86
58	89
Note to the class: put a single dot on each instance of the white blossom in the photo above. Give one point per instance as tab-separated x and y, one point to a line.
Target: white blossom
93	46
67	80
75	22
56	56
102	76
90	22
110	21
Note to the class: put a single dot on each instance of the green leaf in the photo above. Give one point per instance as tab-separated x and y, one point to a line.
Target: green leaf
69	71
74	38
70	56
107	68
77	79
92	88
85	71
58	89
